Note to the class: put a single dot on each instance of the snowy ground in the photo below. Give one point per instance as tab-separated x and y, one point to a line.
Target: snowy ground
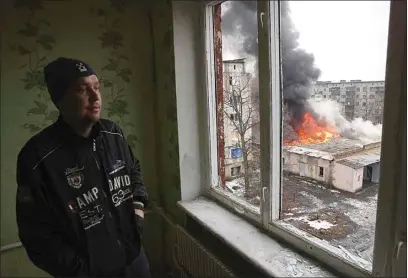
342	218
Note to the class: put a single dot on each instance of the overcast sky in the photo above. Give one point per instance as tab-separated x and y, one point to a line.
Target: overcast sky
347	38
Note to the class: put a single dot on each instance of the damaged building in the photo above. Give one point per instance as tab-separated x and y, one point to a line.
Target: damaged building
237	114
345	164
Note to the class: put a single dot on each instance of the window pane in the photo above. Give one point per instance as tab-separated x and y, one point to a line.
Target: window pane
236	60
333	73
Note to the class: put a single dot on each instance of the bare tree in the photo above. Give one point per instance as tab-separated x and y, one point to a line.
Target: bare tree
240	109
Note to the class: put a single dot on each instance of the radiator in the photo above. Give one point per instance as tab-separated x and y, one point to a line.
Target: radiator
194	261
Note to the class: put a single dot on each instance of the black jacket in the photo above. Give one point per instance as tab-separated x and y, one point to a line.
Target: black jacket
75	201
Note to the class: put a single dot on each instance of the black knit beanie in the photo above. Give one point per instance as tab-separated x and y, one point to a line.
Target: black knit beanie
61	73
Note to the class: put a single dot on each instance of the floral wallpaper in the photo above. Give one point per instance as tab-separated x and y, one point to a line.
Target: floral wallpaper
133	55
166	123
35	45
106	34
116	72
166	105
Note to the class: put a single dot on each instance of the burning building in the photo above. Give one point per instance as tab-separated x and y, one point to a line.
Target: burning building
330	149
319	151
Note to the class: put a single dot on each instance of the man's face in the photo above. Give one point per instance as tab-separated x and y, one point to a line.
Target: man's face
83	101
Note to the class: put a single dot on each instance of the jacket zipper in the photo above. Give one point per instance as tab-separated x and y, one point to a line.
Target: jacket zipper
97	165
93	154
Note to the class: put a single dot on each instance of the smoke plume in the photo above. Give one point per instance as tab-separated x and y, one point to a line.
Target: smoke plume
329	112
298	69
240	21
240	31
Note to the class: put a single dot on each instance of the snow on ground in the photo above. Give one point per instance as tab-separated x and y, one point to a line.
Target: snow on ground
344	219
315	224
352	216
236	186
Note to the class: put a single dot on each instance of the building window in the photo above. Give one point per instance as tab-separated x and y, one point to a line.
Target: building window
235	66
235	171
234	101
358	89
230	80
234	117
276	143
236	153
321	171
364	104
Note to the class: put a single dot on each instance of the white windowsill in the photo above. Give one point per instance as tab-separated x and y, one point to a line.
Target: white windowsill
253	245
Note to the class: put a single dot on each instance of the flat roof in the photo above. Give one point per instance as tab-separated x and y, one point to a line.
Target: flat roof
347	82
337	146
241	60
363	159
309	152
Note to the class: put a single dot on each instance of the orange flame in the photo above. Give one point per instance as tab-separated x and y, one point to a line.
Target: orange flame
310	132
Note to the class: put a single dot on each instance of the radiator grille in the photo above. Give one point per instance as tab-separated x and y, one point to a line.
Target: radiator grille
195	261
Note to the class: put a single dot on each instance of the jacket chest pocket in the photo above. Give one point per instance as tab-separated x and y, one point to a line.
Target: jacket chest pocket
119	181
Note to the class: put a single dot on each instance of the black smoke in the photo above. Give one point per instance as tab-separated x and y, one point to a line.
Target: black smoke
298	69
240	19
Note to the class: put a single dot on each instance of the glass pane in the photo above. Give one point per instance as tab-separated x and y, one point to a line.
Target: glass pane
236	60
333	69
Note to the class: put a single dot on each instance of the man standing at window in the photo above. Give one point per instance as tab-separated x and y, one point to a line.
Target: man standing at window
80	196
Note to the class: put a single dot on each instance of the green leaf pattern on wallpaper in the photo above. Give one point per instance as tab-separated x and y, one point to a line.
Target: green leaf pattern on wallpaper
116	73
34	47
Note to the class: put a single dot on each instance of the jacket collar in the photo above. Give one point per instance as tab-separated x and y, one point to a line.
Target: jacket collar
68	134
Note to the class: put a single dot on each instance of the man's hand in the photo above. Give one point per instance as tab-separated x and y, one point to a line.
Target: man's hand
139	212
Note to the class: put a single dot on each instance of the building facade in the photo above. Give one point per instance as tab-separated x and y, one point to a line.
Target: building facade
237	85
345	164
364	99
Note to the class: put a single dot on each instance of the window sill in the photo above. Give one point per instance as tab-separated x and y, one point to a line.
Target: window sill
258	248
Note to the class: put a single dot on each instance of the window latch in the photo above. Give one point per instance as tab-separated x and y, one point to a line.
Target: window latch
400	245
264	192
261	16
398	248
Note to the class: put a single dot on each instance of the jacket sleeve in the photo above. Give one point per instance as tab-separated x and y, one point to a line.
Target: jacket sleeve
39	232
139	189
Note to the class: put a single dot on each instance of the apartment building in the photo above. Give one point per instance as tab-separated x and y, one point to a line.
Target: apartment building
237	101
357	98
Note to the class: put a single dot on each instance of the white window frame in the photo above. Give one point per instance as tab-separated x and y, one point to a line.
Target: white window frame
212	188
270	94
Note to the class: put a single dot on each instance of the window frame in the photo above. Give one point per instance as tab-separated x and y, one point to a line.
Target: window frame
211	188
270	95
270	75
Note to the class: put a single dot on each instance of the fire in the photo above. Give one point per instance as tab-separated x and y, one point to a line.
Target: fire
311	132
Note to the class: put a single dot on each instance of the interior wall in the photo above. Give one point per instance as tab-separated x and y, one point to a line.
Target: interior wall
114	37
168	169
